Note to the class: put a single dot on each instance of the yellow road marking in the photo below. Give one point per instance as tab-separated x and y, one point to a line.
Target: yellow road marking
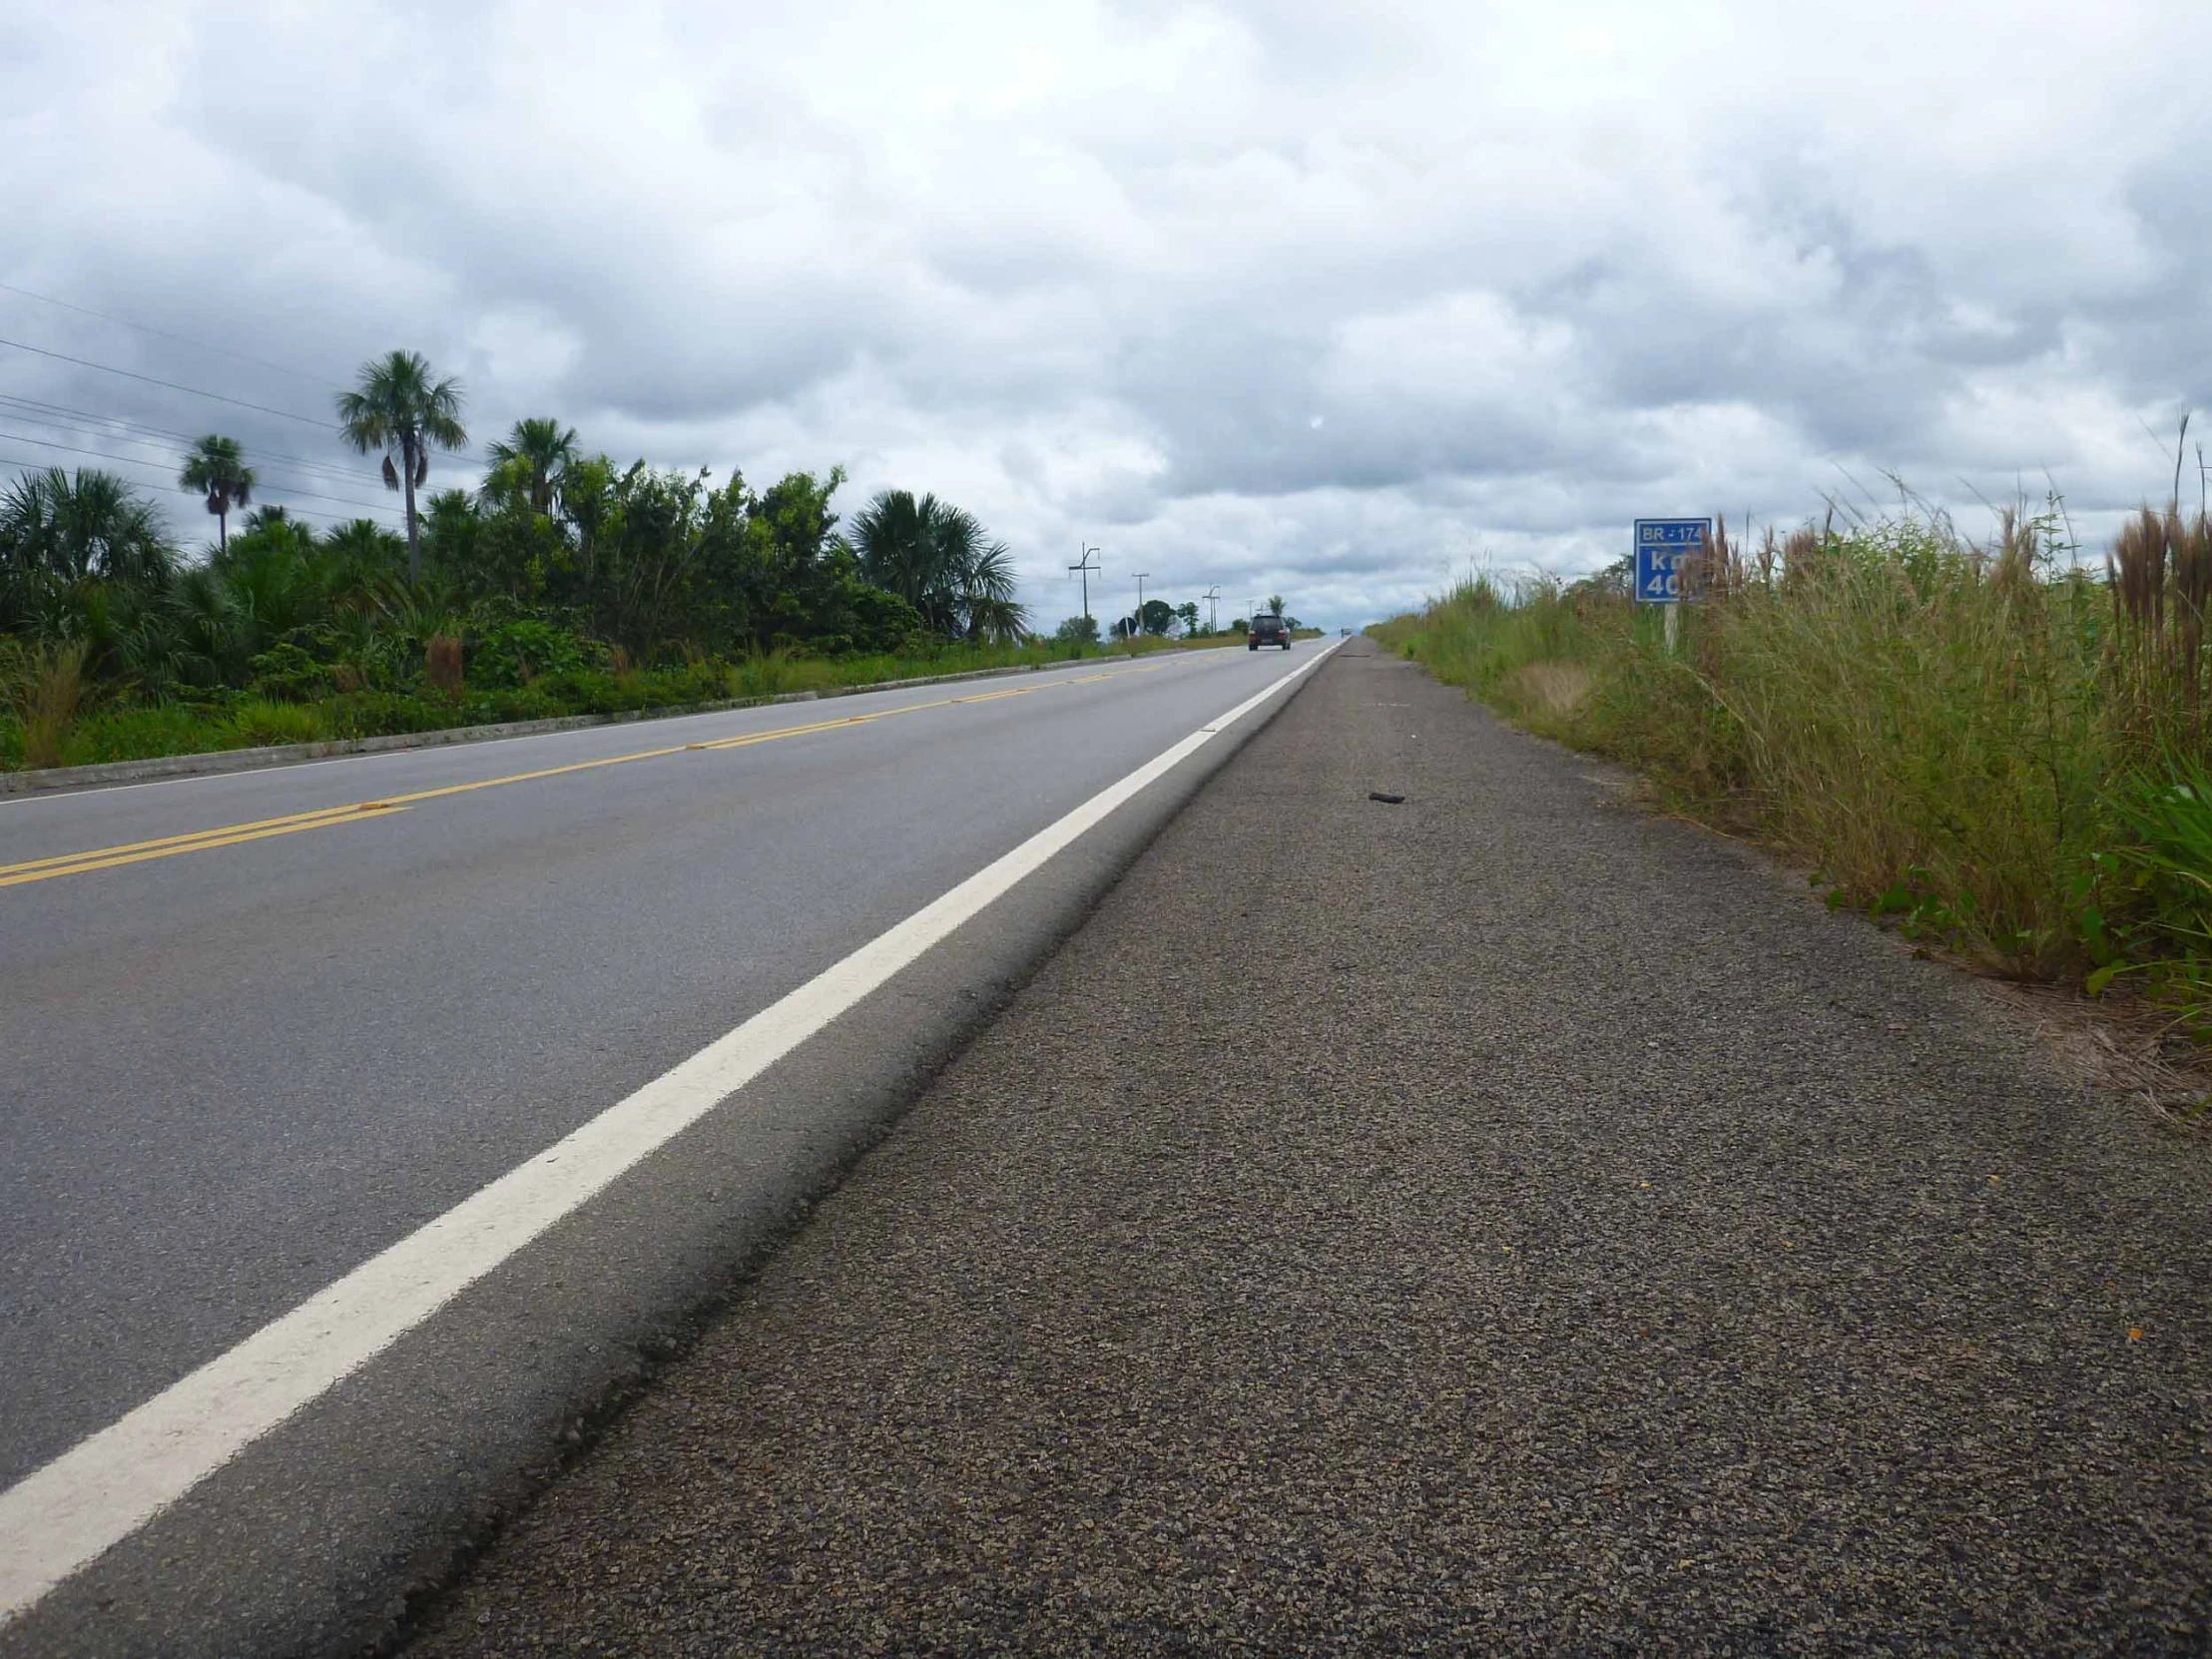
231	835
180	843
87	863
745	739
443	791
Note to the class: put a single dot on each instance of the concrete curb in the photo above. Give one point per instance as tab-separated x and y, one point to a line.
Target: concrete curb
48	780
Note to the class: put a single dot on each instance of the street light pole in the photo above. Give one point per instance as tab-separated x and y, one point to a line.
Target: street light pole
1141	576
1212	596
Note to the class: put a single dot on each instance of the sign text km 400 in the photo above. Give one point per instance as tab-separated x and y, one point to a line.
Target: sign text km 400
1663	547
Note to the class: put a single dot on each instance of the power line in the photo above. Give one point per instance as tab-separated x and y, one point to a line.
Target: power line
175	443
129	460
168	472
171	386
162	333
44	413
299	512
39	409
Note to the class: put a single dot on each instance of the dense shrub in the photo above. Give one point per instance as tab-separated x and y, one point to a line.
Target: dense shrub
517	652
286	673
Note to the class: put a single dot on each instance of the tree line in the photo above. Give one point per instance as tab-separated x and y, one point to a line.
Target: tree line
561	552
1160	620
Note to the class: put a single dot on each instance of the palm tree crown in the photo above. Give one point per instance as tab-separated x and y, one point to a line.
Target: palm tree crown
400	409
73	528
216	468
543	447
940	560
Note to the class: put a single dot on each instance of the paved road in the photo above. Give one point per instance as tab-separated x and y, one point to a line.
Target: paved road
1501	1223
259	1027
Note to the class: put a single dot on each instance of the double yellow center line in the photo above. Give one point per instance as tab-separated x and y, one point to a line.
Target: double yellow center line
357	811
137	853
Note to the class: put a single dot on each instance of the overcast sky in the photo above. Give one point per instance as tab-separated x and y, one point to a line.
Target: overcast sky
1323	298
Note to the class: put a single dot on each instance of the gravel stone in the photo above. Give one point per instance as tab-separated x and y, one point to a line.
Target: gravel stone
1508	1222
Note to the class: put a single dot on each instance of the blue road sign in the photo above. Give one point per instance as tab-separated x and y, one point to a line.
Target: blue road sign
1660	544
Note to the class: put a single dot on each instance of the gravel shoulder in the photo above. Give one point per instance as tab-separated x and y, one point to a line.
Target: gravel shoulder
1497	1222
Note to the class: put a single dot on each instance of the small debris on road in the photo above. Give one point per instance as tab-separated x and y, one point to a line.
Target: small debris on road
1386	800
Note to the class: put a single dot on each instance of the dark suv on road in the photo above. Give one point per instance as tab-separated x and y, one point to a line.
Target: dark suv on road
1268	630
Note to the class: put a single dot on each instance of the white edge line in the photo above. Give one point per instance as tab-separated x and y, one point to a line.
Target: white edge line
67	1513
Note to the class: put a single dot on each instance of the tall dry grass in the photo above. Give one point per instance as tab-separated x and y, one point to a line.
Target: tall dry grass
2160	571
442	664
1983	741
47	688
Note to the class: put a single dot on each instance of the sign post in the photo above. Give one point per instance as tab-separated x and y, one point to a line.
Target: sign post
1664	549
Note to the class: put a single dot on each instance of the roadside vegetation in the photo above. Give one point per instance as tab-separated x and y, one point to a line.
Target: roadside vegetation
2001	750
565	584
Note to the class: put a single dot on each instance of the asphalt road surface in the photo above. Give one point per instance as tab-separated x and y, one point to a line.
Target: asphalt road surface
1496	1223
261	1030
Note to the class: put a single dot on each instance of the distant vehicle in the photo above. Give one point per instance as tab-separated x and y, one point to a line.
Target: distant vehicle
1344	633
1268	630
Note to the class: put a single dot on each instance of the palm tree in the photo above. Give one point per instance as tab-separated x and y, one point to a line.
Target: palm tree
72	528
400	409
941	561
363	542
987	592
542	447
216	468
897	551
1275	603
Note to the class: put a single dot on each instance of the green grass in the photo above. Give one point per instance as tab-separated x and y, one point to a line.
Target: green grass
1949	736
2163	859
258	723
139	732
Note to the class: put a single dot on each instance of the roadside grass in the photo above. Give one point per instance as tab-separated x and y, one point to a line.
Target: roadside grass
43	687
135	733
1987	744
48	717
261	723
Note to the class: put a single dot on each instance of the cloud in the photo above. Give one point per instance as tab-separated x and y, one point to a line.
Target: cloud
1274	295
